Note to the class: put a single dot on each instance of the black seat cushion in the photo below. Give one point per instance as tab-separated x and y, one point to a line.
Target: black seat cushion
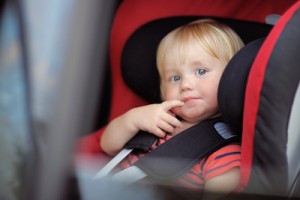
233	82
138	62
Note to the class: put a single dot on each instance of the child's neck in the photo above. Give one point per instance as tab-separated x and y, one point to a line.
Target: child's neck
186	125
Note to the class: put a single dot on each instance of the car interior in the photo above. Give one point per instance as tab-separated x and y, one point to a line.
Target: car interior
104	64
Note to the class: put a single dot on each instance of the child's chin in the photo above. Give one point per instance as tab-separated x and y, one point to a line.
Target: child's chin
190	118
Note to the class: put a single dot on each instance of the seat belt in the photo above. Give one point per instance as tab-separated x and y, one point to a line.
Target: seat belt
179	154
142	142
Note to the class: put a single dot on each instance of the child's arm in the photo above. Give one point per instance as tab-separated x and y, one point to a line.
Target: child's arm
154	118
223	184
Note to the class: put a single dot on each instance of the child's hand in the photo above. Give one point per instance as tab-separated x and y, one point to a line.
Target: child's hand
157	118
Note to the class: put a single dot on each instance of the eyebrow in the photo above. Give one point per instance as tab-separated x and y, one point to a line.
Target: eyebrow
197	63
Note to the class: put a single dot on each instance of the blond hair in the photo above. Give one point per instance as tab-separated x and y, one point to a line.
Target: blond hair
217	39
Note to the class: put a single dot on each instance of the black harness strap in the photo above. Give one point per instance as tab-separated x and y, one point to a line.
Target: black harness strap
179	154
142	141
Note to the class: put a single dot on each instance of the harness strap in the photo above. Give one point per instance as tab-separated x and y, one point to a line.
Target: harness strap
179	154
174	157
113	163
142	141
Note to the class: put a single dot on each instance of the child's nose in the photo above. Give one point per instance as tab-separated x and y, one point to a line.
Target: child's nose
186	84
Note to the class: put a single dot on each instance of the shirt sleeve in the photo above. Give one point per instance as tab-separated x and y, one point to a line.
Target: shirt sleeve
221	161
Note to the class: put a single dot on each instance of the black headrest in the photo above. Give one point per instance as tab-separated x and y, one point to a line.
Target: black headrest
138	62
233	84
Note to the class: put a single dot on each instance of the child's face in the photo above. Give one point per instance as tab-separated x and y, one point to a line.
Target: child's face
195	82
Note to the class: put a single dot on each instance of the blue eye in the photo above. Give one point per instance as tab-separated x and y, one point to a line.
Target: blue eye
175	78
201	71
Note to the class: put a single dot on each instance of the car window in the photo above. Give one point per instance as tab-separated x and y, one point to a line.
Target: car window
15	136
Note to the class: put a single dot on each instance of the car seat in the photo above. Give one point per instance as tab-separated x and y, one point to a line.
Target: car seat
138	27
271	97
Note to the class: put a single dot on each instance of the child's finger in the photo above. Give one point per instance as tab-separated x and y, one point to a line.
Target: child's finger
168	105
166	127
158	132
171	119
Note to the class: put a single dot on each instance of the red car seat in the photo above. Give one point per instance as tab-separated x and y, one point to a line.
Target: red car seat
138	27
271	97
